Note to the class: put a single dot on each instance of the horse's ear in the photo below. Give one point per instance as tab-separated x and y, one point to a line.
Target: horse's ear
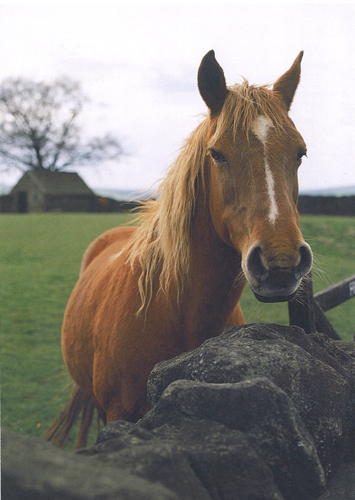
211	82
287	84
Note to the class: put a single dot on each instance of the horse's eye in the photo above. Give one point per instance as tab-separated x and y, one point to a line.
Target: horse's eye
301	153
217	157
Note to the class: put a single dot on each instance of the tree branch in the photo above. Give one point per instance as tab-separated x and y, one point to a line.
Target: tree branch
38	127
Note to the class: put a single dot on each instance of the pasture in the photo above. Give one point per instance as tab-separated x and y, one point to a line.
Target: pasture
40	258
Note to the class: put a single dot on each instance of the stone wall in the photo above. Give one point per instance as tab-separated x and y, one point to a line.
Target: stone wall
315	205
326	205
263	412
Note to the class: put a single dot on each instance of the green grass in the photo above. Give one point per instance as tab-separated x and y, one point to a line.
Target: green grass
39	260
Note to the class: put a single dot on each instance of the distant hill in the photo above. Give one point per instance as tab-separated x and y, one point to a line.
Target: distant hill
340	191
123	194
116	194
131	194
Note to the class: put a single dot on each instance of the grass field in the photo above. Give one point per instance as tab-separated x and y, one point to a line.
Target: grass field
40	258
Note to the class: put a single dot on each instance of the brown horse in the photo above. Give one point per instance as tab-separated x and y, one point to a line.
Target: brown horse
226	215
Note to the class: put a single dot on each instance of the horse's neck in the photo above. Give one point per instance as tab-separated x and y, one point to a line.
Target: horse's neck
212	288
213	262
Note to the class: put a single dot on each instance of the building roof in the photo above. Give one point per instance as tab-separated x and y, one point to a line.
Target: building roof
56	183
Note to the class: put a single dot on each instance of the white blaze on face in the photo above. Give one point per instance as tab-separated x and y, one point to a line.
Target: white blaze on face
270	183
260	128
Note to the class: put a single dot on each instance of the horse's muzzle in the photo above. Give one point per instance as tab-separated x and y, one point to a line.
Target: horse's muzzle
277	279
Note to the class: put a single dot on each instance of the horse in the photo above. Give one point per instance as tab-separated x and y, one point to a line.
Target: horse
226	215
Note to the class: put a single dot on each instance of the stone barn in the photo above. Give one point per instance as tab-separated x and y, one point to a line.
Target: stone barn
45	191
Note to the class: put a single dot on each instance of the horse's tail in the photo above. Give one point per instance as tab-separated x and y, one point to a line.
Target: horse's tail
60	429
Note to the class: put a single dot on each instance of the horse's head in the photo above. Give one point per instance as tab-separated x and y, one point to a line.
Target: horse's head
253	154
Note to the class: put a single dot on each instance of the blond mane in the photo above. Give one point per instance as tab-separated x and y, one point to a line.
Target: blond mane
162	243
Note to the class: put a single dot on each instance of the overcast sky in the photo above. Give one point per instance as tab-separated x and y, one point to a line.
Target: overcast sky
138	62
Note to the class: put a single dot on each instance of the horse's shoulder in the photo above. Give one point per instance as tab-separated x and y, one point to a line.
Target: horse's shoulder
114	238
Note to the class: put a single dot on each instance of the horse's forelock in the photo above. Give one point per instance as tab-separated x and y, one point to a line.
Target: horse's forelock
242	106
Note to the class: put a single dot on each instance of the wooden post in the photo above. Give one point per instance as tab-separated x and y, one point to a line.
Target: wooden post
323	325
300	309
307	311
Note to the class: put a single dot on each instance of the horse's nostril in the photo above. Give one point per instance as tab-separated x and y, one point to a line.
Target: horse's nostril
254	263
275	277
306	260
258	267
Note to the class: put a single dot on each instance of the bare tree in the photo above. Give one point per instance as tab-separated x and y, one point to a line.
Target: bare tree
38	127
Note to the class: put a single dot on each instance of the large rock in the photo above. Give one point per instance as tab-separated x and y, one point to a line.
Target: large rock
34	470
260	410
199	460
319	381
139	452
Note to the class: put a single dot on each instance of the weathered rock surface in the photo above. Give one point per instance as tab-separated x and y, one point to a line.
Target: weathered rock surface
316	375
34	470
263	412
200	459
342	486
260	410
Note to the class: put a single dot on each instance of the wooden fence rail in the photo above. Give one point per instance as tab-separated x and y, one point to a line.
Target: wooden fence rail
307	310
